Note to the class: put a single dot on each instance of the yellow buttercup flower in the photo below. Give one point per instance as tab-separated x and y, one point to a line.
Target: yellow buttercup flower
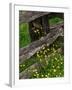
53	54
36	72
46	55
43	47
61	63
42	75
45	51
55	58
53	66
46	76
58	67
23	65
37	52
54	70
35	31
48	49
38	55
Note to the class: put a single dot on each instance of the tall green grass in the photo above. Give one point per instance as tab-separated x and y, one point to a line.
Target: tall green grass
24	37
55	20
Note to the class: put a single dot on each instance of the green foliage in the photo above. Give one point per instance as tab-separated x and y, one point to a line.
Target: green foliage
51	62
55	20
55	67
24	37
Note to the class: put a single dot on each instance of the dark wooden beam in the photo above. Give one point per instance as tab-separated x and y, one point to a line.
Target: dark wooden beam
31	32
45	24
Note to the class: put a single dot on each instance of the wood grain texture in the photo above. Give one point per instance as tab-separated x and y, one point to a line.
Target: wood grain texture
28	51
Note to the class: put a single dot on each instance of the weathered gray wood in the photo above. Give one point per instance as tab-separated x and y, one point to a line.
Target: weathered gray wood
45	24
60	24
27	72
27	16
30	50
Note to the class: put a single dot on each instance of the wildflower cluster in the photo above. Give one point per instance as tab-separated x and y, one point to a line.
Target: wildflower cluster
42	55
38	30
21	67
51	62
54	67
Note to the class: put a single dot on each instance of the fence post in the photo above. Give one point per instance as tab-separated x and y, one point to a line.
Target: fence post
45	24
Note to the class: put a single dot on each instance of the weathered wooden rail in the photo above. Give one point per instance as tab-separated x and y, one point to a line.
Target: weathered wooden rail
28	16
27	72
30	50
